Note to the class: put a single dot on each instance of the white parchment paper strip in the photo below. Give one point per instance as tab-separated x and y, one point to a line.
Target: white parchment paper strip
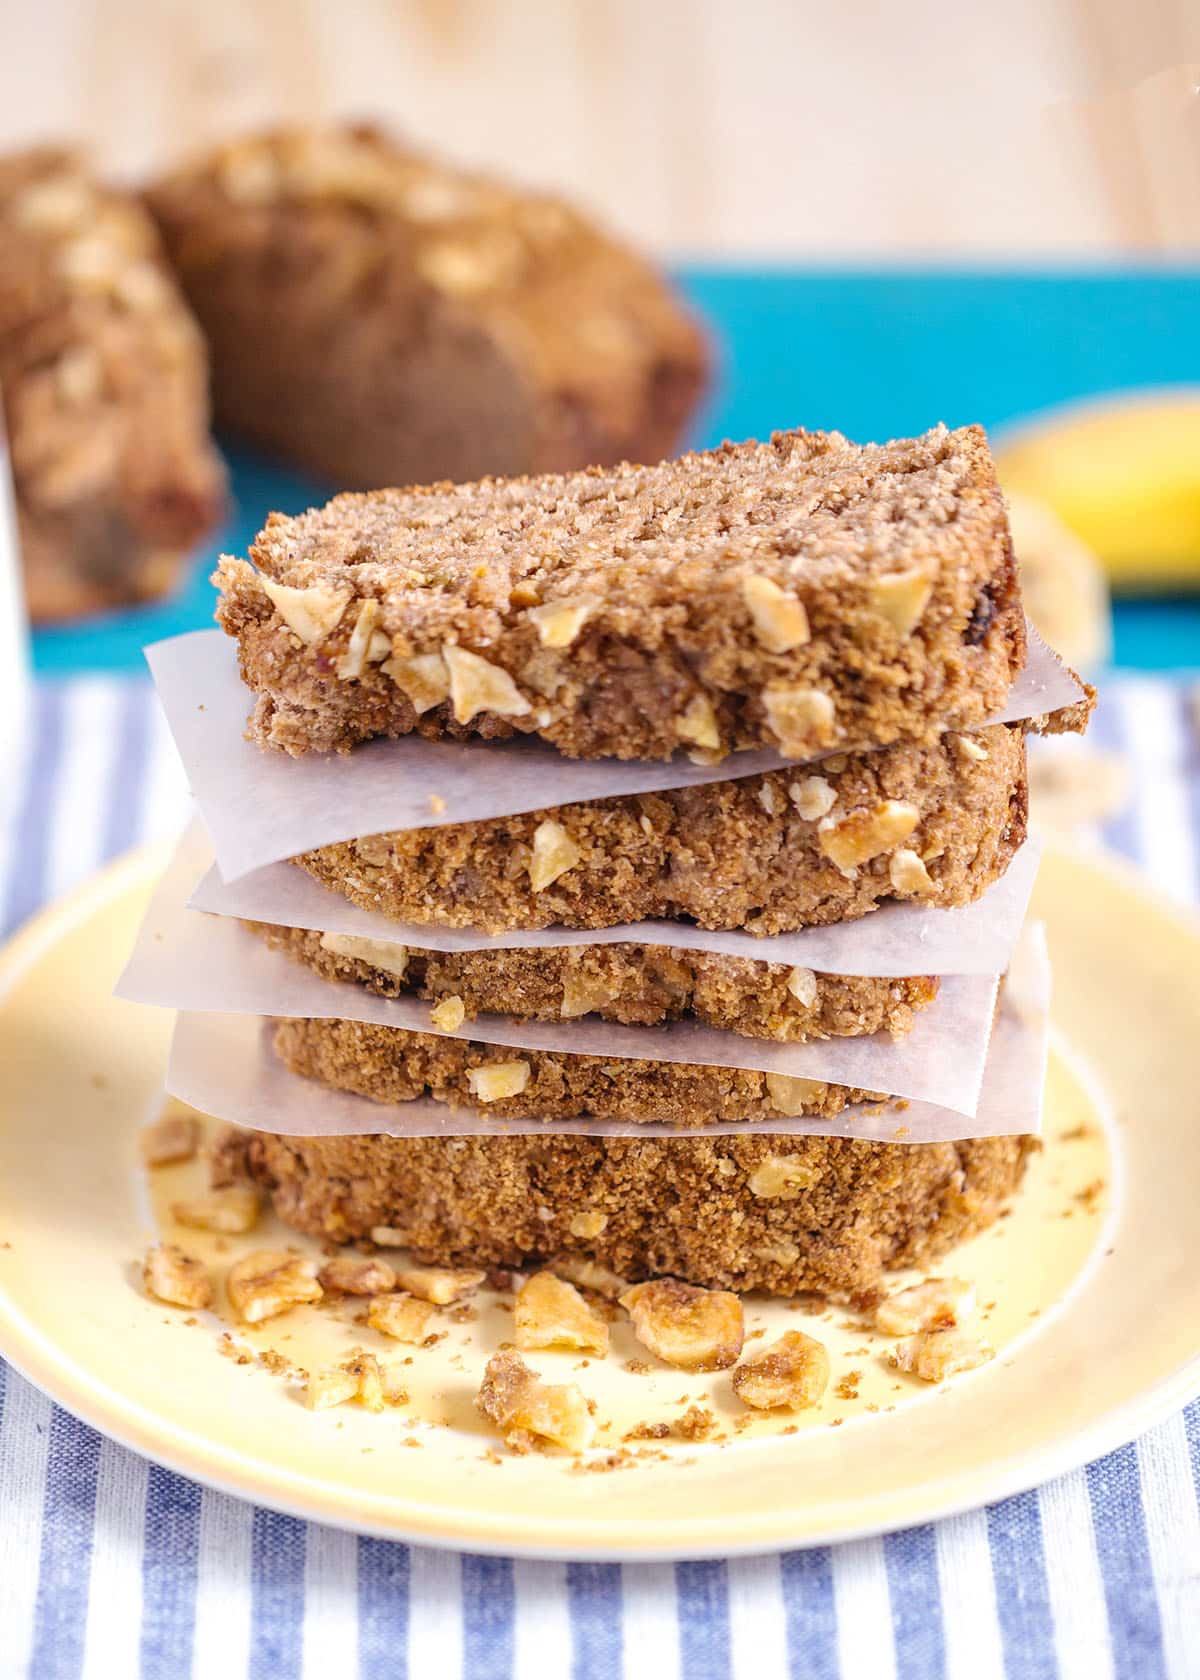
261	806
225	1066
896	939
185	959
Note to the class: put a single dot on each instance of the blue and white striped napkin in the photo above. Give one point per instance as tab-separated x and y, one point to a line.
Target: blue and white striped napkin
111	1567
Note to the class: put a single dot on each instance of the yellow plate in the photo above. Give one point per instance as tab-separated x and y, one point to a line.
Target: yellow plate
1091	1290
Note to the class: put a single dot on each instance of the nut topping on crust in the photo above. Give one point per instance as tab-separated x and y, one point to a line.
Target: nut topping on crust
699	724
402	1317
231	1212
801	719
495	1081
425	679
901	597
440	1286
528	1411
934	1355
861	835
175	1277
693	1329
780	621
791	1372
780	1178
173	1137
313	613
551	1313
908	874
347	1274
271	1281
554	852
476	685
559	622
936	1304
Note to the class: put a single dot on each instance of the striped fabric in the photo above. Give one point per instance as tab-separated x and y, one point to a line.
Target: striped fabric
111	1567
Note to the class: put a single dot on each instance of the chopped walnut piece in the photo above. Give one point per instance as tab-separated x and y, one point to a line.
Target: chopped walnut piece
425	679
521	1405
582	993
695	1424
780	621
271	1281
449	1014
230	1212
934	1355
476	685
330	1387
802	983
698	723
900	598
175	1277
551	1313
813	797
438	1285
767	799
173	1137
908	874
387	1236
780	1178
495	1081
368	1380
589	1274
936	1304
791	1372
313	613
587	1225
693	1329
559	622
376	953
402	1317
792	1096
353	662
802	719
861	835
350	1274
554	853
969	748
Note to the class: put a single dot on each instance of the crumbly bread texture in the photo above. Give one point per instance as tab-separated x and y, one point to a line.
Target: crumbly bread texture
390	1065
785	1214
931	825
641	985
377	317
807	594
103	376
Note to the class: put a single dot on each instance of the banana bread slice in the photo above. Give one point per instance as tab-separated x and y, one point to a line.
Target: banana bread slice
807	594
784	1214
377	317
103	377
642	985
771	853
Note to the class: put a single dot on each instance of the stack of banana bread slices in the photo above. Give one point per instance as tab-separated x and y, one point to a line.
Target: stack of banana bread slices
818	634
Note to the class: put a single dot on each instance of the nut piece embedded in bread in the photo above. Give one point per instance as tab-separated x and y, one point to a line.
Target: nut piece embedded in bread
422	323
104	378
806	594
791	1372
529	1412
692	1329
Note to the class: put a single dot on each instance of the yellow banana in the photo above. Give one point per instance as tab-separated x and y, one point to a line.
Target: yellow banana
1124	474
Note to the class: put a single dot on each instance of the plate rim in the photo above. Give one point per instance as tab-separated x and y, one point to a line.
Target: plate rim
31	1352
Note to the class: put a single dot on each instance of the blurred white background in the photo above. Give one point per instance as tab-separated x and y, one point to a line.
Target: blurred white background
734	129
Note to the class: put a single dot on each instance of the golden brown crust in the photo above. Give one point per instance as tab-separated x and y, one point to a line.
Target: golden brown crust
642	985
805	593
664	1206
103	374
421	323
737	854
389	1065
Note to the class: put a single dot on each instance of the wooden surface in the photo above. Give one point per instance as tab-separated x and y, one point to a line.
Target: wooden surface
730	128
